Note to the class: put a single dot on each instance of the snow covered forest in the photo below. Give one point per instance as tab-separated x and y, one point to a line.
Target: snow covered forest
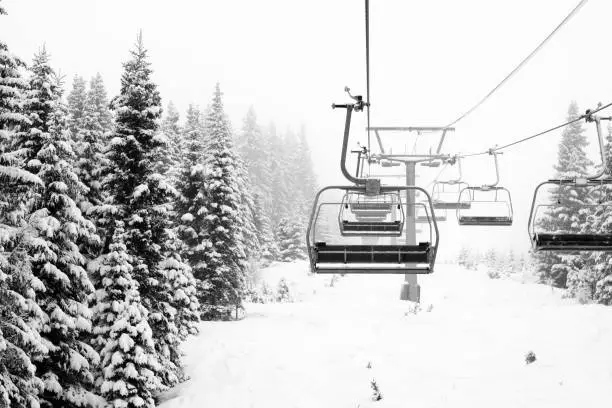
122	225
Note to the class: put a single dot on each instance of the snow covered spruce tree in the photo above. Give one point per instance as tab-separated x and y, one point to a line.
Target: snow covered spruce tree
20	316
76	104
141	198
249	235
267	241
57	262
225	257
566	216
171	129
91	129
123	337
191	206
594	281
255	152
291	240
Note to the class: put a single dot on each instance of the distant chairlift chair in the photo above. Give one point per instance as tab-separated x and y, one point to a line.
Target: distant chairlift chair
366	215
445	194
489	205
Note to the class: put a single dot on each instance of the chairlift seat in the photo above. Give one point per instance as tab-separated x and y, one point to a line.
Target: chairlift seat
485	221
451	205
372	227
375	254
572	242
370	207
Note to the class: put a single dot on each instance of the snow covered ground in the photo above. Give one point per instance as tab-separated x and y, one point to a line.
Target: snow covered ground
467	351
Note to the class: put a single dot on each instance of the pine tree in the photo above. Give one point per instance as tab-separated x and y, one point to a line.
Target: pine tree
123	335
566	216
171	129
224	271
20	315
91	141
142	198
248	234
291	240
283	294
279	201
307	181
97	100
77	99
596	278
57	261
263	225
254	151
191	207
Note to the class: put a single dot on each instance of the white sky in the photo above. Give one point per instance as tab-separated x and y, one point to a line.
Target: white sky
431	60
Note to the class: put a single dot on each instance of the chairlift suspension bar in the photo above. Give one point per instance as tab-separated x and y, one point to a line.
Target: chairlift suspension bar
494	154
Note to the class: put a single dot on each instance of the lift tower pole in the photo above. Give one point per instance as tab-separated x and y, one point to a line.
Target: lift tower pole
410	288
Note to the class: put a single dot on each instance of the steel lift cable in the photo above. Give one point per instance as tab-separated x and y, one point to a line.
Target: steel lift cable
522	63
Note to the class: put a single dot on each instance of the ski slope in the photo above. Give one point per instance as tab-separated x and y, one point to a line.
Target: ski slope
467	351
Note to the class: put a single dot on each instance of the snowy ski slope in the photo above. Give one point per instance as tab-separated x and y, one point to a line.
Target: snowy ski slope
467	351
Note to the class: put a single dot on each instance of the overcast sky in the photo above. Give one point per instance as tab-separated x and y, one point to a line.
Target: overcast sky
431	60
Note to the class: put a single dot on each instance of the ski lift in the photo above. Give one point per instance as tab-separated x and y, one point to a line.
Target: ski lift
332	250
489	205
361	214
445	194
575	231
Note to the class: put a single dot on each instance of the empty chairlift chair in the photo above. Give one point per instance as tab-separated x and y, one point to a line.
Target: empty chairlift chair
334	249
568	216
489	205
423	216
557	223
445	194
361	214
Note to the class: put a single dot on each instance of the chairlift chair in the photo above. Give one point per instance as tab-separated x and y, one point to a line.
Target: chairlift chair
445	194
581	234
361	214
340	252
489	205
423	216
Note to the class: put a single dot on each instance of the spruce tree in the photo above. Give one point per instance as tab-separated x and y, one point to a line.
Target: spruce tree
123	336
566	216
97	100
248	235
171	129
20	315
66	369
191	206
224	259
596	278
91	141
291	240
268	245
280	192
255	153
77	98
141	198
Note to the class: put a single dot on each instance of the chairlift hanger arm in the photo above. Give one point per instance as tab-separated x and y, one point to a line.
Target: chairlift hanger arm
358	107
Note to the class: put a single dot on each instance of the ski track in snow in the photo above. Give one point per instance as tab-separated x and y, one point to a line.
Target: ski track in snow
469	351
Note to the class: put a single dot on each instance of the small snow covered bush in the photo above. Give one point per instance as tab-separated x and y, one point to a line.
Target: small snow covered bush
283	294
